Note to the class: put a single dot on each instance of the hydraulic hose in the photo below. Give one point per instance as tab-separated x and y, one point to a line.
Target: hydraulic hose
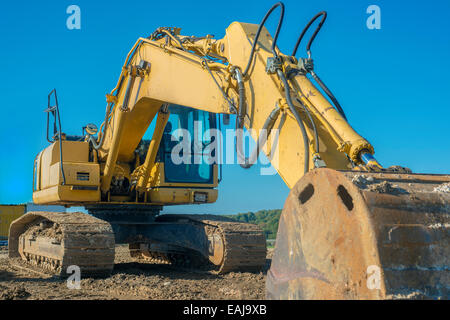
267	127
299	40
297	117
280	22
330	95
262	139
173	37
98	145
308	50
313	124
242	107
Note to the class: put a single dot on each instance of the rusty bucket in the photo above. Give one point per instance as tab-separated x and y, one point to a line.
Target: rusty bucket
361	235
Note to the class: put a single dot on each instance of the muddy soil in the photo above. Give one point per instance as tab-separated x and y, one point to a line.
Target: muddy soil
132	280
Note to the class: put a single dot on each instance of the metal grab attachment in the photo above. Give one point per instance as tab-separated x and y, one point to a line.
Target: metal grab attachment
54	110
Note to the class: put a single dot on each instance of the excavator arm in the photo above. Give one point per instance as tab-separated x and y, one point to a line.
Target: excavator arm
182	72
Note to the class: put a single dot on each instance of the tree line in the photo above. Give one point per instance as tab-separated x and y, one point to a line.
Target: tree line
266	219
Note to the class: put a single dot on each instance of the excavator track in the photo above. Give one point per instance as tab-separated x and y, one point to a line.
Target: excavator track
53	242
182	260
244	246
234	246
141	252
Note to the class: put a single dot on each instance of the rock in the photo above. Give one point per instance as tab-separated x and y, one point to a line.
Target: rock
445	188
15	293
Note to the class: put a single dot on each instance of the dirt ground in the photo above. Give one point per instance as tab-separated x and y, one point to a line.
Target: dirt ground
131	280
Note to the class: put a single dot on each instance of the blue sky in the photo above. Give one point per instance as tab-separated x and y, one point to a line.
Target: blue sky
393	83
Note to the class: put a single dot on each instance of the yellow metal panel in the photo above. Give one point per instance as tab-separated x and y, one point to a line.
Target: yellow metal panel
157	179
78	175
65	195
263	95
45	161
73	151
9	213
167	196
350	141
262	98
161	121
138	119
175	77
72	172
179	80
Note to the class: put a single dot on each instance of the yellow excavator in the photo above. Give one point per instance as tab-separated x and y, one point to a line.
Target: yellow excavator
350	229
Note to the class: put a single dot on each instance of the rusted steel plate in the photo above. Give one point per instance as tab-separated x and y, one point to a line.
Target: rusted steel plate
358	235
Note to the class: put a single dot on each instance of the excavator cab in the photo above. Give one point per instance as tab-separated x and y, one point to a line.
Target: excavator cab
186	168
188	147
